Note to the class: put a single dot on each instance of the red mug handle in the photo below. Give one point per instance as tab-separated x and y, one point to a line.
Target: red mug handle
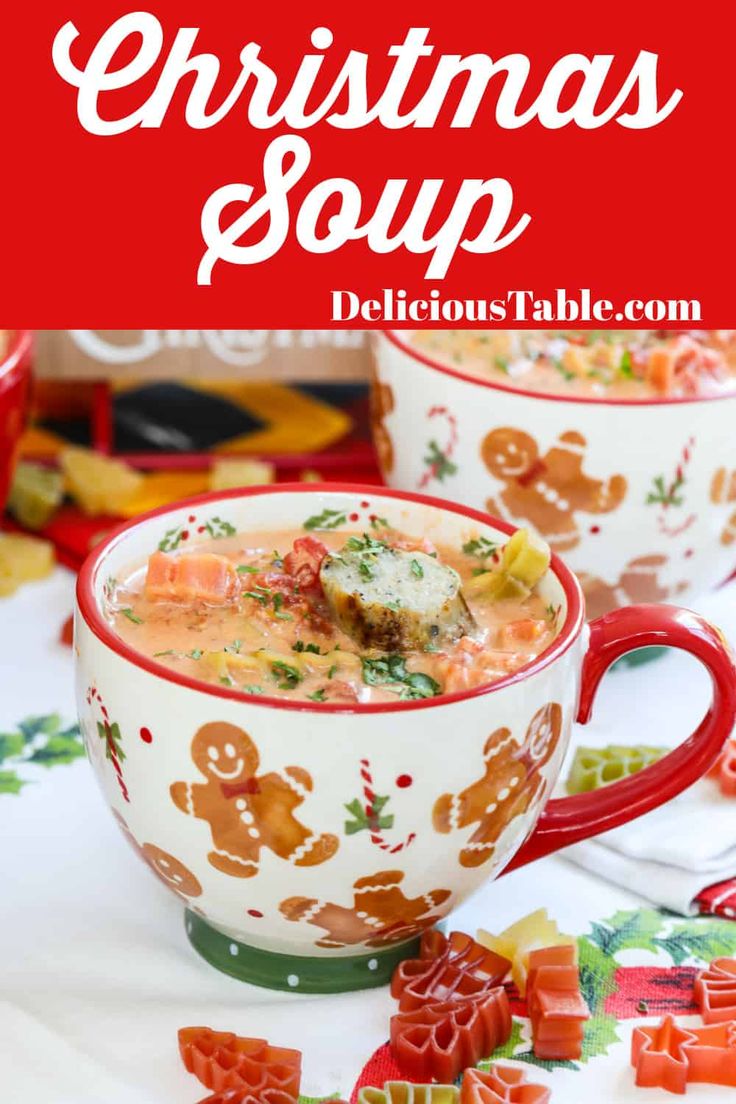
568	820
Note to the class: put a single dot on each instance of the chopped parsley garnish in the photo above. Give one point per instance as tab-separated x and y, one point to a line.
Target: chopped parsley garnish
290	675
502	364
480	547
168	652
332	671
396	605
300	646
625	367
365	570
132	617
195	653
226	680
278	601
564	372
328	519
259	594
254	690
247	569
551	612
366	543
391	669
416	569
318	696
379	523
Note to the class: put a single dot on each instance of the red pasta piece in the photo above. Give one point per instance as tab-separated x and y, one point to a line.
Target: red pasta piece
556	1007
222	1060
447	969
246	1096
437	1041
670	1057
501	1085
715	991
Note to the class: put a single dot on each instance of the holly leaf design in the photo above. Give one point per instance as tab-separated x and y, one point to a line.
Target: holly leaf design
628	930
11	744
62	748
700	939
111	734
10	783
363	821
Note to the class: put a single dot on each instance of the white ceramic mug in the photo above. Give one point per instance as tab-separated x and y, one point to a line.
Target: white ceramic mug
639	496
194	772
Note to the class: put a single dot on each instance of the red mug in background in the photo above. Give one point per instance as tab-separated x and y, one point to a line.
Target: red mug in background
15	379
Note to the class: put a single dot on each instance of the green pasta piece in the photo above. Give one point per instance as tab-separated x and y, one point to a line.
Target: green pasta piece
595	767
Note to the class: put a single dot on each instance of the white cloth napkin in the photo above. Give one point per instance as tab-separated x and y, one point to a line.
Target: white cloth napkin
671	854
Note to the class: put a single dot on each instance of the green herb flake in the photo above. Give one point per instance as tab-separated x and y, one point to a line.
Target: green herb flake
226	680
195	653
234	648
247	569
328	519
625	366
317	696
290	676
365	570
168	652
332	671
253	690
379	523
391	669
132	616
480	547
416	569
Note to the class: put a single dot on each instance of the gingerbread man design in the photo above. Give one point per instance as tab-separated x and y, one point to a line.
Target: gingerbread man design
172	873
511	784
381	404
723	489
246	812
638	582
548	490
380	914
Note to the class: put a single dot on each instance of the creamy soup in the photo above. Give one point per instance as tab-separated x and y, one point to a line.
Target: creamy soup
621	364
340	617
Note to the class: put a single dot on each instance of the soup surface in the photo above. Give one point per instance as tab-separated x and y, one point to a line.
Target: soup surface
340	617
620	364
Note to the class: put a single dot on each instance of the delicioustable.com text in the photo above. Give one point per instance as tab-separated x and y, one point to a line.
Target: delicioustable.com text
519	306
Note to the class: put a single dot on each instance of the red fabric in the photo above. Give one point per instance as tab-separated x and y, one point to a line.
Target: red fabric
718	900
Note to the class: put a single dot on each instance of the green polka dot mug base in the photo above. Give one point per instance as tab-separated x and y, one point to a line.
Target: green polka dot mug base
295	973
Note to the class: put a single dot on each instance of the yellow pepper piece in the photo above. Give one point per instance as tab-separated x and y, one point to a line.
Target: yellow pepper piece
525	557
23	560
531	933
99	484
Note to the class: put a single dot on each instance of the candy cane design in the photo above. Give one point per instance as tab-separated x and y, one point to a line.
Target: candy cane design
667	496
370	815
439	462
110	732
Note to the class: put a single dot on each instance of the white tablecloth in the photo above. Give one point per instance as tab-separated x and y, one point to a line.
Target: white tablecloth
97	974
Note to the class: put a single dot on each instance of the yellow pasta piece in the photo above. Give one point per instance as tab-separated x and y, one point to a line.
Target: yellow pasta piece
240	473
23	560
99	484
531	933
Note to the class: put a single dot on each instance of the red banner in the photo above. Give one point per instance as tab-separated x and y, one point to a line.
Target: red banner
567	163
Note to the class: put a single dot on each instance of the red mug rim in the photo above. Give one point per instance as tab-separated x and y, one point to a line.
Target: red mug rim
14	364
89	611
591	400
